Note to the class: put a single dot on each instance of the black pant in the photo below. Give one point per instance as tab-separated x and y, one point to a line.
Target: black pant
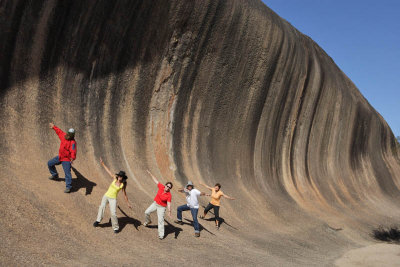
216	211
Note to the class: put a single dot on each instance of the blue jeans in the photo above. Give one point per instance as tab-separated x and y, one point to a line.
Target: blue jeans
194	215
67	170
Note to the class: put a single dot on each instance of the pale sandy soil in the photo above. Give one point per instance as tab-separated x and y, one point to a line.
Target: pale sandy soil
371	256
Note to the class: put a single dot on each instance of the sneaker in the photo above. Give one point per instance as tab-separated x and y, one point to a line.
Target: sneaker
146	224
217	226
67	190
161	238
116	231
197	234
53	177
178	222
95	224
201	217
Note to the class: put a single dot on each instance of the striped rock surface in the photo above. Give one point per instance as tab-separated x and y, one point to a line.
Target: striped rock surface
207	91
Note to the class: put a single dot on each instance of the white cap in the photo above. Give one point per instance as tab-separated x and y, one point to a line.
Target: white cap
190	183
71	130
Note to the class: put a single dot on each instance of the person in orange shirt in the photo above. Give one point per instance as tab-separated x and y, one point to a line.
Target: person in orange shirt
216	195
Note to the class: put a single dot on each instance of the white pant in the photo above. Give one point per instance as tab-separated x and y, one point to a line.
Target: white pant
160	214
112	202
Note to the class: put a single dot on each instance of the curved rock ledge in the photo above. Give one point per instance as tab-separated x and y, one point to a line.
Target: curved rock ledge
211	91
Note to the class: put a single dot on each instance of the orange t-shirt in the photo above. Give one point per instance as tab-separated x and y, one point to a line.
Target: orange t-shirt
216	197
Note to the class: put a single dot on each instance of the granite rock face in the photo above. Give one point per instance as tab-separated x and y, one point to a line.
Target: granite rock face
208	91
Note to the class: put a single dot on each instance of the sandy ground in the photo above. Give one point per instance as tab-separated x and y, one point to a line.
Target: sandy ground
371	256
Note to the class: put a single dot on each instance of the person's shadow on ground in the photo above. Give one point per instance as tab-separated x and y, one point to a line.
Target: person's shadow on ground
221	220
104	225
80	182
168	229
127	220
200	226
124	221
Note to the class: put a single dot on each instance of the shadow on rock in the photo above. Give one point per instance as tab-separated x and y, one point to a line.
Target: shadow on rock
123	221
107	224
221	220
201	227
390	234
170	228
82	182
127	220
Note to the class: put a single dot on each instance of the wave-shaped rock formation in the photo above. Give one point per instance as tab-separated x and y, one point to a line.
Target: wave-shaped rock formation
208	91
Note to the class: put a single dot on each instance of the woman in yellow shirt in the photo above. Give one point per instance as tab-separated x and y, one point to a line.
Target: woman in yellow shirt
118	184
216	195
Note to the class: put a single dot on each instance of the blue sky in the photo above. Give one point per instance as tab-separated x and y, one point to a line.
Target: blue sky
362	37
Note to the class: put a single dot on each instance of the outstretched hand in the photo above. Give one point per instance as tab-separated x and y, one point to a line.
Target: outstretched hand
51	125
152	177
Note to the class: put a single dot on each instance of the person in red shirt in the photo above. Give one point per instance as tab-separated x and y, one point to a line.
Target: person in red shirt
66	155
161	201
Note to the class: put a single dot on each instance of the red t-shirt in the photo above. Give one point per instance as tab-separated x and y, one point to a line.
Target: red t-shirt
162	197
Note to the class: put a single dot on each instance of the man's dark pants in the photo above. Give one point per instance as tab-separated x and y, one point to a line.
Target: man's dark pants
67	170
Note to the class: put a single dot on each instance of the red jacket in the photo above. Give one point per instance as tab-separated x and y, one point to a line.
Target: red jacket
67	150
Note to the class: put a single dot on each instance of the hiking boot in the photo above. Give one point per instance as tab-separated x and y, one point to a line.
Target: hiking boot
53	177
116	231
197	234
95	224
67	190
178	222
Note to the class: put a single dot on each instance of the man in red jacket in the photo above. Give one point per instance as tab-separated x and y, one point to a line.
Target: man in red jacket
66	155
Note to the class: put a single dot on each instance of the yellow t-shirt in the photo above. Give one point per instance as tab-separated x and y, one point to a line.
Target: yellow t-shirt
113	190
216	197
